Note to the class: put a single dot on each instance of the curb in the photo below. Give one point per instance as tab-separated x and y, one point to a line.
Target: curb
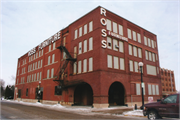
136	116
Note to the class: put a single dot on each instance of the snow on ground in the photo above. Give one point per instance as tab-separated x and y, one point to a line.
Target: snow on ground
77	109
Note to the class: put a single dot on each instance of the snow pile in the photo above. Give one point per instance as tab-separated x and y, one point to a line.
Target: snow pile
133	113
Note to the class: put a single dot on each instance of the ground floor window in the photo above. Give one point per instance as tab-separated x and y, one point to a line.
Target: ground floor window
58	90
19	93
27	92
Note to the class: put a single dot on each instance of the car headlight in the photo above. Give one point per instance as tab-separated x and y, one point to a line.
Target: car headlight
144	108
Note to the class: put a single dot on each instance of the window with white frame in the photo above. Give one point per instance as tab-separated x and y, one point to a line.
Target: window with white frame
115	45
85	29
151	70
149	89
75	68
40	75
152	42
85	65
120	29
135	51
53	56
35	77
145	41
130	49
146	53
47	73
139	53
150	58
80	31
157	90
85	46
90	26
41	62
135	66
139	37
80	47
134	35
121	46
75	52
153	57
116	63
32	77
149	42
49	60
129	33
153	90
37	55
121	63
41	52
138	91
109	59
54	45
75	34
90	64
109	43
49	47
131	65
79	66
108	26
114	27
90	43
52	72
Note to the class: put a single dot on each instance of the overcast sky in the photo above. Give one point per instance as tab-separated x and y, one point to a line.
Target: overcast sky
26	23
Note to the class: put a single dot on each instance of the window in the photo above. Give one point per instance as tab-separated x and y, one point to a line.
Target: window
134	35
85	46
135	51
116	63
41	63
49	47
90	26
121	63
52	72
131	65
49	59
75	52
138	89
108	26
149	42
75	34
114	27
40	76
79	66
151	70
19	93
121	46
157	90
109	43
54	45
53	56
120	29
47	74
109	59
91	64
80	31
135	66
37	76
90	43
149	89
153	57
85	29
129	33
139	37
85	65
115	45
58	90
32	77
139	53
153	90
152	42
80	47
145	41
146	53
75	68
171	99
130	49
150	59
42	52
39	53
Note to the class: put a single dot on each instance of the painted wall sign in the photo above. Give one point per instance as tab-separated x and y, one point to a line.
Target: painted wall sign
45	43
117	36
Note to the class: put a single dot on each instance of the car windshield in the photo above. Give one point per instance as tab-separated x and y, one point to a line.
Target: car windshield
171	99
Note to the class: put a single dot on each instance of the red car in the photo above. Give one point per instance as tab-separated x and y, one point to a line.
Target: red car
167	107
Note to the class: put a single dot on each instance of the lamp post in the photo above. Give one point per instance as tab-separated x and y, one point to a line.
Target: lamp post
142	84
39	91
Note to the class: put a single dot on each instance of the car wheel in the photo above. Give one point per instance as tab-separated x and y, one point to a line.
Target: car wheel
152	115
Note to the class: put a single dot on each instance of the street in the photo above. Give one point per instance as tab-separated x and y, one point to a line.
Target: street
12	110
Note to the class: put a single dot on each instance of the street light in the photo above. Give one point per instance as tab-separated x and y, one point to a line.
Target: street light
142	84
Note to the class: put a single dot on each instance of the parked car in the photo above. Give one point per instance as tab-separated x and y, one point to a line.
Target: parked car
167	107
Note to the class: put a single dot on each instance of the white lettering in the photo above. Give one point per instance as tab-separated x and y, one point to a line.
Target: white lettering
103	33
103	21
103	11
104	45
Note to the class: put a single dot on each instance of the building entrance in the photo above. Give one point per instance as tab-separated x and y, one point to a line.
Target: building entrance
83	95
116	94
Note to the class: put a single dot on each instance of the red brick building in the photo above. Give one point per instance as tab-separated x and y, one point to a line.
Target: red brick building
93	61
168	82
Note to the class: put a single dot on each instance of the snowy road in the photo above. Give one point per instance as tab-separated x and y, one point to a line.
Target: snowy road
21	110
